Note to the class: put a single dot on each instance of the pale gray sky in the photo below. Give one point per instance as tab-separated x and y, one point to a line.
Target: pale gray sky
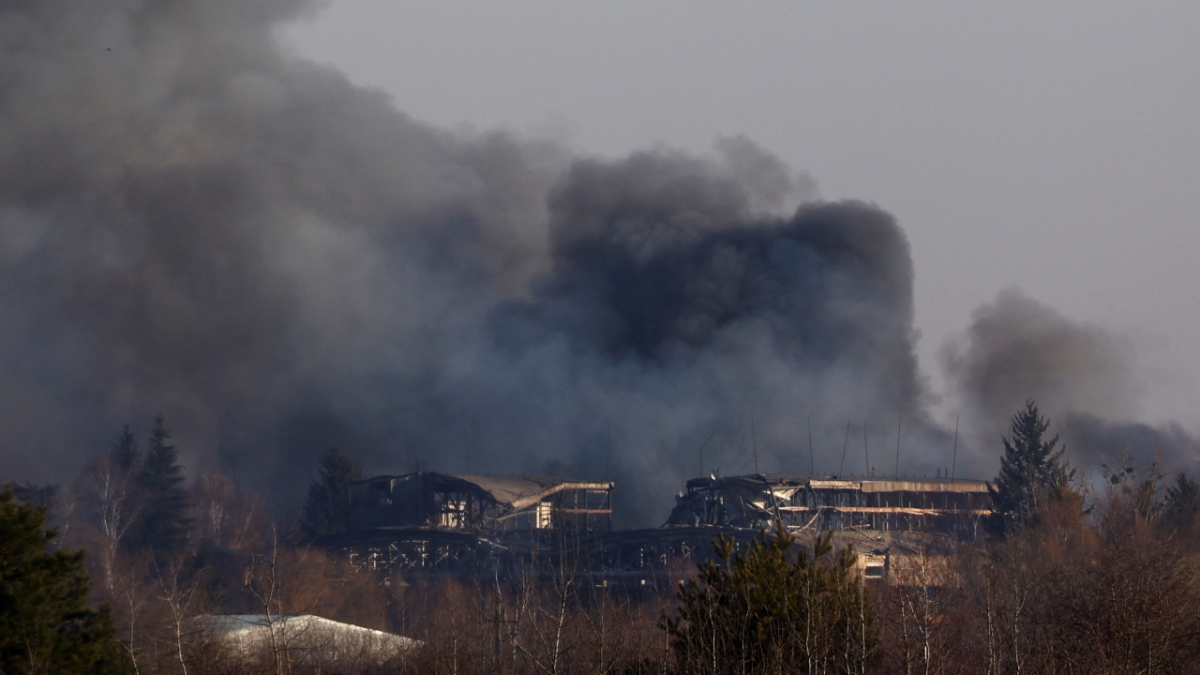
1050	146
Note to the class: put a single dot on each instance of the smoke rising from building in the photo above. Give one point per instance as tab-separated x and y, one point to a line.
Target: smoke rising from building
192	223
195	223
1018	348
1082	376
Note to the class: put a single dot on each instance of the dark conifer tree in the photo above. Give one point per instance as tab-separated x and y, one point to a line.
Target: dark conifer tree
772	609
328	502
1181	507
41	496
45	623
1032	471
125	451
164	522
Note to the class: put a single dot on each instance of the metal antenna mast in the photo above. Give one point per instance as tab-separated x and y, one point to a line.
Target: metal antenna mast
866	452
812	461
845	445
754	444
897	445
954	461
710	437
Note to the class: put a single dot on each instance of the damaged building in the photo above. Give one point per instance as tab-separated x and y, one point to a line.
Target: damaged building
433	523
427	521
480	504
890	522
949	506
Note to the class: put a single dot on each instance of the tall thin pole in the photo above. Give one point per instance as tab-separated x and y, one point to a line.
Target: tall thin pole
897	445
866	452
812	460
710	437
845	445
754	444
954	461
607	454
462	430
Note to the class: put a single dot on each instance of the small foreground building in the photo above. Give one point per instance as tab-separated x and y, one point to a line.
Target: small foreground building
299	639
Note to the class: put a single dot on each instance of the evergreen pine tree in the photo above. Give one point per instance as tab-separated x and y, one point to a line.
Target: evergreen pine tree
125	453
45	624
328	503
1181	506
768	610
41	496
164	520
1032	471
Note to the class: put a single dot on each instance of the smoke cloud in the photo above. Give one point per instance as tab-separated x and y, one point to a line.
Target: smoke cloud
1018	348
192	222
672	313
1082	377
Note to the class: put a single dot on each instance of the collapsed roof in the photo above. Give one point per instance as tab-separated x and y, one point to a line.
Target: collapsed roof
519	492
831	502
479	503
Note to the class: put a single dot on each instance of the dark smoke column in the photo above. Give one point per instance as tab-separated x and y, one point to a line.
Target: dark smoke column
673	308
193	222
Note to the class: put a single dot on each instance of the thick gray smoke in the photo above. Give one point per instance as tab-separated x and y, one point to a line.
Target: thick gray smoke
1131	444
1082	377
672	312
193	223
1018	348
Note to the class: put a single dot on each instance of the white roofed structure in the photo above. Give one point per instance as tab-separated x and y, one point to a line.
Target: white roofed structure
303	638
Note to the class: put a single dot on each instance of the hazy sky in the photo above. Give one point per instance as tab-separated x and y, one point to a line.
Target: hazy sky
1049	147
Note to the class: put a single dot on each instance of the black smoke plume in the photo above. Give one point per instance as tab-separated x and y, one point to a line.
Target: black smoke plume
671	312
1121	444
1082	376
195	223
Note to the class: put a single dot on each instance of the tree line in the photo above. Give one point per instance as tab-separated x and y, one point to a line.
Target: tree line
1068	578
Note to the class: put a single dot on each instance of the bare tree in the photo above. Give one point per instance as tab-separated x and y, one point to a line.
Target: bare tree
546	597
110	503
178	592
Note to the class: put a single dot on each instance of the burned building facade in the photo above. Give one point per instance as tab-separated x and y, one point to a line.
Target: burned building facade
943	505
435	523
480	504
432	523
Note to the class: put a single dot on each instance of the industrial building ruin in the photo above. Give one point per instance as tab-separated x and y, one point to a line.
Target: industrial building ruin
434	523
428	523
949	506
889	521
480	504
